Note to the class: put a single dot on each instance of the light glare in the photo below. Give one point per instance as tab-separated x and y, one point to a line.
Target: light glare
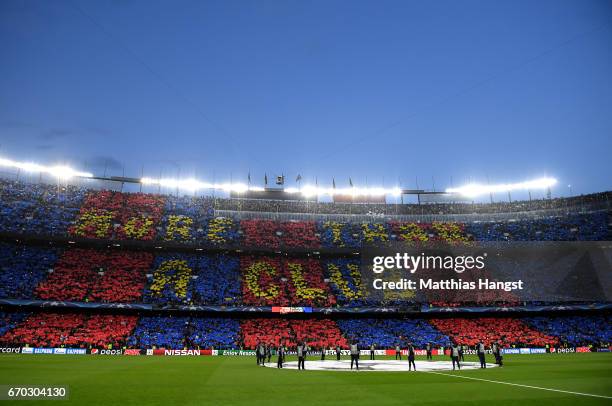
59	171
475	189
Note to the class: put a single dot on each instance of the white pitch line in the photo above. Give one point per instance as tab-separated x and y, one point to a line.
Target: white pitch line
521	385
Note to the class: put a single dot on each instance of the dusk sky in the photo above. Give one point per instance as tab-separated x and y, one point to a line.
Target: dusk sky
390	91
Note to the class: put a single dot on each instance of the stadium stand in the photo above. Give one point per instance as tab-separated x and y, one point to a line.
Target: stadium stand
38	208
115	215
504	330
316	333
178	332
387	333
194	279
575	331
161	332
98	276
284	282
71	330
185	332
345	280
22	268
574	227
8	321
214	333
261	258
595	200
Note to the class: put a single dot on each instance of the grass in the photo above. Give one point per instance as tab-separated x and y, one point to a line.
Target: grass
122	380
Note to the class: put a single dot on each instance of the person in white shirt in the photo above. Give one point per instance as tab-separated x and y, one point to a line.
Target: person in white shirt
455	356
355	355
301	353
480	350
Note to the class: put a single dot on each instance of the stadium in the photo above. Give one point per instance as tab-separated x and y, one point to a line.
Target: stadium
95	275
257	202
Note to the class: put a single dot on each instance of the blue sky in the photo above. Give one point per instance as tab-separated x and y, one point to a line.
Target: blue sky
385	90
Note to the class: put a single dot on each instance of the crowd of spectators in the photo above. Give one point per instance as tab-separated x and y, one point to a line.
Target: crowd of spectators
572	227
159	331
71	330
213	333
507	331
115	215
345	280
178	332
185	332
38	208
576	331
284	282
97	276
178	278
69	211
377	209
387	333
8	320
22	268
316	334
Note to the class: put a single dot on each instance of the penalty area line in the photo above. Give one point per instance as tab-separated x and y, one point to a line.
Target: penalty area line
521	385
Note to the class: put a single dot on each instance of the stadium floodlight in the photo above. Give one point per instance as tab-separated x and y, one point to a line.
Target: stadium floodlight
194	185
306	190
475	189
59	171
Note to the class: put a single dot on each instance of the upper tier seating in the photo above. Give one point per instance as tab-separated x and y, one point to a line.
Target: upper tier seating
115	215
38	208
69	211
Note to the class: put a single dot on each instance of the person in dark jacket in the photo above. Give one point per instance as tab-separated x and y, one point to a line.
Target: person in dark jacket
411	355
338	352
258	353
428	349
281	356
497	353
269	352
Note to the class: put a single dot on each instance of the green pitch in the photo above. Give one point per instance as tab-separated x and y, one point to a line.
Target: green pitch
122	380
